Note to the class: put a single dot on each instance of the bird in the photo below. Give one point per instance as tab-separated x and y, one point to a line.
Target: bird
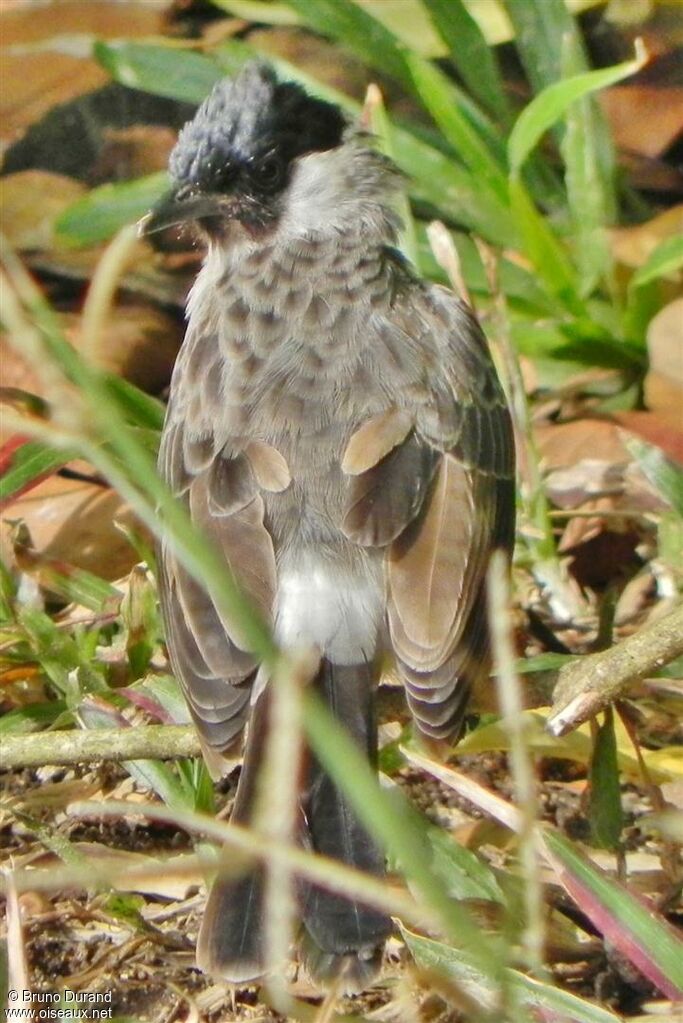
336	427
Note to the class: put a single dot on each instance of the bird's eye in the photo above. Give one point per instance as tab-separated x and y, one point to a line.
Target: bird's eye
268	172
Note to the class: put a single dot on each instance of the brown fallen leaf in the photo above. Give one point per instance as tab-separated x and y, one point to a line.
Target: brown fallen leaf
30	202
632	246
565	444
37	74
73	521
664	381
645	119
138	342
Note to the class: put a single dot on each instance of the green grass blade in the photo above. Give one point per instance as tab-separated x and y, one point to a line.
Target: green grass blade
29	463
540	27
665	259
665	475
605	813
526	993
351	25
169	70
470	54
590	180
440	98
263	12
103	211
552	103
633	927
544	250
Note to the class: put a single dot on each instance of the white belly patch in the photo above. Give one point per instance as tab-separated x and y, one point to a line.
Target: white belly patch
334	611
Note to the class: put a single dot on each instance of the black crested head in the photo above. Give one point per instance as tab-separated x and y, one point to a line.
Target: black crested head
248	131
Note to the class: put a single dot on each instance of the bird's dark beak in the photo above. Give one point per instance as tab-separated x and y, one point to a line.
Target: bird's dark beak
178	207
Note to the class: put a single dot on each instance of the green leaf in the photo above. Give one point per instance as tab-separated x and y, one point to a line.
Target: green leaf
590	179
524	994
471	55
540	27
440	98
165	689
161	779
550	105
170	70
465	874
76	585
605	813
32	718
544	249
349	24
140	409
264	12
104	210
30	462
665	475
542	662
667	258
641	934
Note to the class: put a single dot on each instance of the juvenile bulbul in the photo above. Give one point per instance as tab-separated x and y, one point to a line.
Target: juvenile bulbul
336	427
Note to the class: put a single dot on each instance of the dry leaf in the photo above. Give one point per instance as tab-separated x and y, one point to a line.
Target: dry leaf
30	202
645	119
36	78
139	342
73	521
633	246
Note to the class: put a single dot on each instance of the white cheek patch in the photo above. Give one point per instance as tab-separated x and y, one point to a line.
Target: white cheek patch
331	610
316	192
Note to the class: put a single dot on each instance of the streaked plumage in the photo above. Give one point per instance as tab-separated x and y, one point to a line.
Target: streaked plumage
336	427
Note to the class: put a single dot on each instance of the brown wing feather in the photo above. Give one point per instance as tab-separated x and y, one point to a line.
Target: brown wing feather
440	515
208	654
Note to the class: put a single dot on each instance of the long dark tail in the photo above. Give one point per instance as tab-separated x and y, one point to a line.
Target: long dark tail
230	943
343	936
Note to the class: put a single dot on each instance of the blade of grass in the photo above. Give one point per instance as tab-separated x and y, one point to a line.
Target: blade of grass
30	463
665	259
665	475
551	104
540	26
590	187
530	994
605	813
532	936
440	97
471	55
355	28
169	70
104	210
641	934
544	249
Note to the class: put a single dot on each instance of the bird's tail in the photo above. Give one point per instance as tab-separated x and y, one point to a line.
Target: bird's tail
230	943
341	937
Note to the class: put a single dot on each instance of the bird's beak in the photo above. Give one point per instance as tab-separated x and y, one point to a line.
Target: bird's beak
178	206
